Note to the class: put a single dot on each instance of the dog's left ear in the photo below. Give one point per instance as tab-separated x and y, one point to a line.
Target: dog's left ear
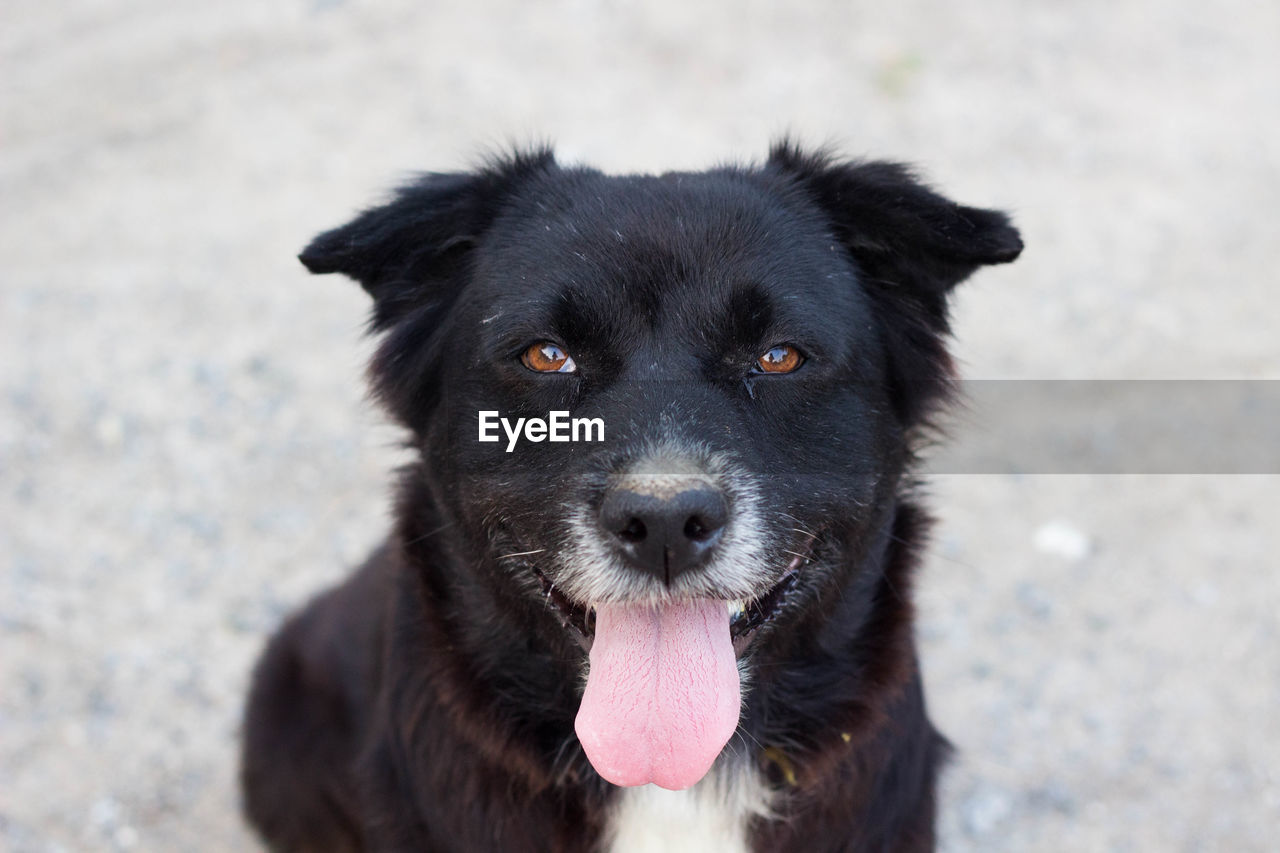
902	234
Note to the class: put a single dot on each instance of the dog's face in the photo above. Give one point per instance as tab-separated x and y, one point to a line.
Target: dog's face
720	338
756	346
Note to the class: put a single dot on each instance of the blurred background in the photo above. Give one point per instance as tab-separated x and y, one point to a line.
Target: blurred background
186	452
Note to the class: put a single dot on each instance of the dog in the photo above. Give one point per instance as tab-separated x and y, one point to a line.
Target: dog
686	625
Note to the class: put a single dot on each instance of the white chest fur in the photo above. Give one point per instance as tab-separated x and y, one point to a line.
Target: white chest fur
712	815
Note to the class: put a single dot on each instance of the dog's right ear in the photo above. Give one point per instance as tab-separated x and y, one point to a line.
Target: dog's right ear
412	253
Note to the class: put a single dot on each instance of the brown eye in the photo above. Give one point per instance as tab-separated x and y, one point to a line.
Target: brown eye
780	359
546	357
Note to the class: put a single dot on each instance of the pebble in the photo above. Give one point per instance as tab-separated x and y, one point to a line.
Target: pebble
1063	539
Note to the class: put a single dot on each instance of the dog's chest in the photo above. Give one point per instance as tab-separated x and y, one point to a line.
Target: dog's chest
712	815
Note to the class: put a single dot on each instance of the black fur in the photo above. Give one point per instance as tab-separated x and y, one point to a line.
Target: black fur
428	703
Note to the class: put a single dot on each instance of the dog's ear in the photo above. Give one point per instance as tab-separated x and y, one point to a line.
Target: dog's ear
911	247
901	233
412	252
414	256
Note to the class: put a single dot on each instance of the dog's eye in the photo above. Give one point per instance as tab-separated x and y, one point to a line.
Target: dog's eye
546	357
783	358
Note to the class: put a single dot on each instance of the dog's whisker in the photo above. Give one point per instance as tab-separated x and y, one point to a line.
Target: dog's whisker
417	540
561	754
522	554
748	735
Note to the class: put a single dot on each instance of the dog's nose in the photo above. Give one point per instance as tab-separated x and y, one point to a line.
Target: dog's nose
668	532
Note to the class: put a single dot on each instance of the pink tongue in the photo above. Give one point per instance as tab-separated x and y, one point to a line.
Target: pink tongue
662	694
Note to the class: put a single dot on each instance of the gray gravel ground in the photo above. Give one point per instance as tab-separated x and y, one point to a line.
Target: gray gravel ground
185	452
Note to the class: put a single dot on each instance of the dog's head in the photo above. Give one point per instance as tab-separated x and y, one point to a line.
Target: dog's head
757	345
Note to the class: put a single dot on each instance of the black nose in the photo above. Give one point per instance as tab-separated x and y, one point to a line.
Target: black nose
665	532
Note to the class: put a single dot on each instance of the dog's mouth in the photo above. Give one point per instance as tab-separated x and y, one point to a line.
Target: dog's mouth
746	616
663	692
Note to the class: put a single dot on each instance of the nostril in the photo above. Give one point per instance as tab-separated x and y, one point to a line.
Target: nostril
705	513
697	529
635	531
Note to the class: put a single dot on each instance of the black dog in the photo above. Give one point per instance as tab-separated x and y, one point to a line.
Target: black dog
707	590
